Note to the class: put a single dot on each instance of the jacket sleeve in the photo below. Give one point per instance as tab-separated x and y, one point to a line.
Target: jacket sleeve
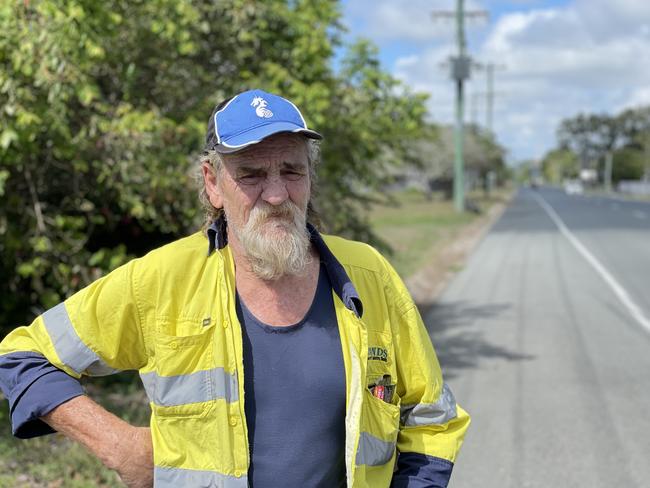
95	332
432	425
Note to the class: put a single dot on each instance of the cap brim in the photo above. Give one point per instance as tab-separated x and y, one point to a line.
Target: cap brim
258	134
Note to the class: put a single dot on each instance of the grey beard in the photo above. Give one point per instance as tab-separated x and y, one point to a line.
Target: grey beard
273	254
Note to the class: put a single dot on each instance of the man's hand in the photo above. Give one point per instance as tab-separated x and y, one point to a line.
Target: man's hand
135	465
119	445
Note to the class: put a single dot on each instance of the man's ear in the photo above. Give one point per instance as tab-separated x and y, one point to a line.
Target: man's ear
211	185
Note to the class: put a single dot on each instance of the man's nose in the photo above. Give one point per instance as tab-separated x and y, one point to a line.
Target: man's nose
274	190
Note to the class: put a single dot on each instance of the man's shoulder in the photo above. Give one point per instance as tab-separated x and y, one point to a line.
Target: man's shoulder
365	266
193	244
355	254
181	253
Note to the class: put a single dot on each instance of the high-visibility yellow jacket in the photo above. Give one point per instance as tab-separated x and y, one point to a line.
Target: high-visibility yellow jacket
171	315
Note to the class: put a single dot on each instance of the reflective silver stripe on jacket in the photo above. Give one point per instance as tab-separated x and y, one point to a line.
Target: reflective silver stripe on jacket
69	347
373	451
177	477
436	413
201	386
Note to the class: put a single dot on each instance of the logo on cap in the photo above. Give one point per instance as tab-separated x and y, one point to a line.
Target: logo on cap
260	108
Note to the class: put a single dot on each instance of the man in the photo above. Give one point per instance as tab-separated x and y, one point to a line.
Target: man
280	358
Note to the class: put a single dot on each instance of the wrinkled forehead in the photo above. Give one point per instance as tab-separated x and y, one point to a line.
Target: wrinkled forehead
285	147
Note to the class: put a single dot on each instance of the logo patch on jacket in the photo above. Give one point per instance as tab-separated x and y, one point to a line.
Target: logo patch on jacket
377	354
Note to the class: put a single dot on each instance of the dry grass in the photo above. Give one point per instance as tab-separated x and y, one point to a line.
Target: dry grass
416	228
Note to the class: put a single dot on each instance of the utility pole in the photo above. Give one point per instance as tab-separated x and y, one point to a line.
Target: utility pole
646	173
609	159
490	96
460	71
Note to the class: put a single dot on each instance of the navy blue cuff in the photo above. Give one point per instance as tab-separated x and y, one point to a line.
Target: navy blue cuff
45	394
415	470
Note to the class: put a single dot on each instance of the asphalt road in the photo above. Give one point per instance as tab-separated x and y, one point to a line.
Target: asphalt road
542	339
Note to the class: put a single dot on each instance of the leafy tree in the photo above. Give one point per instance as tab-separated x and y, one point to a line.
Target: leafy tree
628	164
369	127
559	164
525	170
592	137
434	154
485	155
104	107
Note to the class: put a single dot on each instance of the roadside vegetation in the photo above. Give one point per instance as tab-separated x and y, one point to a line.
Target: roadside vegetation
104	109
413	226
586	141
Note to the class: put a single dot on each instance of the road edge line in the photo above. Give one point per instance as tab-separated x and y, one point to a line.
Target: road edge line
617	288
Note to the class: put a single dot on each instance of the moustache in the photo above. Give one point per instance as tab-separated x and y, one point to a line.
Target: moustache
285	211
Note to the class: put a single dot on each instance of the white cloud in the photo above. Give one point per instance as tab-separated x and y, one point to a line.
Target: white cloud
640	96
607	19
588	56
390	20
571	63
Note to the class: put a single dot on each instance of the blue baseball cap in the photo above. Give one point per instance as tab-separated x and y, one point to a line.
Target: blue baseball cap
251	117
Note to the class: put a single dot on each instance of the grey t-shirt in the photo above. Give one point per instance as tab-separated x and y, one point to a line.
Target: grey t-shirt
294	383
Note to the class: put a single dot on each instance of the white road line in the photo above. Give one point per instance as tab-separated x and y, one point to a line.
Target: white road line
639	214
616	287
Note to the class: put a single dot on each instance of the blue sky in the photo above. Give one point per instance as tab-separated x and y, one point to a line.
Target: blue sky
559	58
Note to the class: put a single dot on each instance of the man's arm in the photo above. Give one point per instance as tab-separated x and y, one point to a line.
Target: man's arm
119	445
95	332
44	399
421	471
432	425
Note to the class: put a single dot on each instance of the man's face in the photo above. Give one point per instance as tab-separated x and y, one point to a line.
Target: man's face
264	191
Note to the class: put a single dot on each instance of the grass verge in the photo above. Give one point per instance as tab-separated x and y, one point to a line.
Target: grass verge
416	228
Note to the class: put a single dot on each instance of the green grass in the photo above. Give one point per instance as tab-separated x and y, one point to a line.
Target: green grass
601	192
415	228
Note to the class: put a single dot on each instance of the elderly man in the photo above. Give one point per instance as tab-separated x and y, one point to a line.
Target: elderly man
281	357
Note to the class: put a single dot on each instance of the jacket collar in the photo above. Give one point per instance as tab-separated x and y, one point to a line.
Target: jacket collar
341	283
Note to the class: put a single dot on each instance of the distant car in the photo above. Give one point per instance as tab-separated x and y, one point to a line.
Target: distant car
536	182
573	187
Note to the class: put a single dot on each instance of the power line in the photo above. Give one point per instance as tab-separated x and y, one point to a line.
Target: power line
490	67
490	93
460	71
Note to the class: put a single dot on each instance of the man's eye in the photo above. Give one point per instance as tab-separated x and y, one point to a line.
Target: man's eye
292	175
250	179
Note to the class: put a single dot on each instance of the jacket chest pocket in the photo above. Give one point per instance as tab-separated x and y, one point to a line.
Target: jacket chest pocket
380	367
184	376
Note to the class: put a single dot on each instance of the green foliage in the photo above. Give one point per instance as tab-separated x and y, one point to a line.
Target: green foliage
591	137
559	164
104	106
524	171
629	164
369	127
434	153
